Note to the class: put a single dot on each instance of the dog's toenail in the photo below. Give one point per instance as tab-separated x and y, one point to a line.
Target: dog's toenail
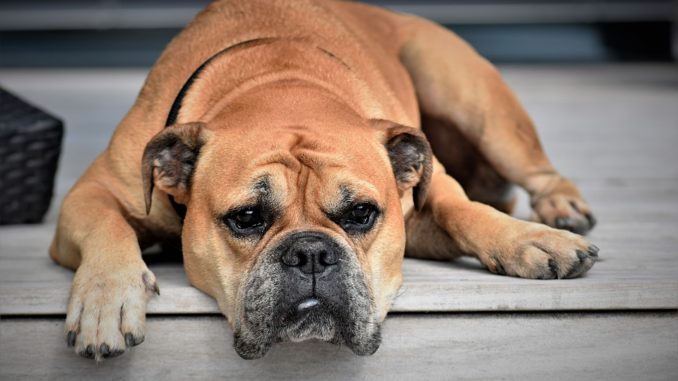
70	338
582	255
129	340
553	266
88	352
115	353
151	286
593	250
104	350
561	222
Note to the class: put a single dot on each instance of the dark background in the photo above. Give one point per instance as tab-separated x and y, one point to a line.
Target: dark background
120	33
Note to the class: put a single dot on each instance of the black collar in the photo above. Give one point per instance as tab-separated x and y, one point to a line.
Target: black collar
176	105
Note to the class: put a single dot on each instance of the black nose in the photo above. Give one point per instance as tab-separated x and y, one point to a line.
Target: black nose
311	254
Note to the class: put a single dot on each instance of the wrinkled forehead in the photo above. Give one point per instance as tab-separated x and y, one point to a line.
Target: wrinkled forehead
328	169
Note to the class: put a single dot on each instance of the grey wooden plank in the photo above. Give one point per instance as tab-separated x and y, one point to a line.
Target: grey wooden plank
635	346
604	121
36	286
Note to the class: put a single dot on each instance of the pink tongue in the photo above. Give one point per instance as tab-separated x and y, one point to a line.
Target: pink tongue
307	304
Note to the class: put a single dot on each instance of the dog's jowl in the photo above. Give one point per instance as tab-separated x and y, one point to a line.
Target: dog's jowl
299	149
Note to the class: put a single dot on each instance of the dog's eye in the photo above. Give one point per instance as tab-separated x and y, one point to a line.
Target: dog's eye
246	221
360	218
361	213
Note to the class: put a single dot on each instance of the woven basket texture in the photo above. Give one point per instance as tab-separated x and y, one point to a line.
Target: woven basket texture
30	144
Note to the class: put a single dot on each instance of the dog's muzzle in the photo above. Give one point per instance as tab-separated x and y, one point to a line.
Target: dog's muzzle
308	287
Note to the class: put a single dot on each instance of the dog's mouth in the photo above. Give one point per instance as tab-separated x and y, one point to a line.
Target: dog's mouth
313	319
279	304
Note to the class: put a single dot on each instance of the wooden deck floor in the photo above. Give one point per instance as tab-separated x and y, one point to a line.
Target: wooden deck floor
613	129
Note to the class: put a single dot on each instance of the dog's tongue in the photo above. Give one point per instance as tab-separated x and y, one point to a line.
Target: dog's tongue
307	304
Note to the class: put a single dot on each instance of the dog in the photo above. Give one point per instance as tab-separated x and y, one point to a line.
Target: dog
299	149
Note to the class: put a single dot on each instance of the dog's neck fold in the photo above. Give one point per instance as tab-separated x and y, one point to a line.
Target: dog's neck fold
292	63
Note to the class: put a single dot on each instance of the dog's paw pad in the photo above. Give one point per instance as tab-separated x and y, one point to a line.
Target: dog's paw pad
565	212
106	312
545	253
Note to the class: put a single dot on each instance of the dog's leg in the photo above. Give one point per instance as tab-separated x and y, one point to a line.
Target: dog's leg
468	166
107	306
453	225
455	85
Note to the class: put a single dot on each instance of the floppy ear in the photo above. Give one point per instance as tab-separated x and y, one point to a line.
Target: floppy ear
411	158
169	160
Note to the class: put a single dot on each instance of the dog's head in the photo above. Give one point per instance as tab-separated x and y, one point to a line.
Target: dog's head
294	220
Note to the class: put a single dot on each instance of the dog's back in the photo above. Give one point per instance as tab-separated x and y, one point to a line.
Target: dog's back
362	37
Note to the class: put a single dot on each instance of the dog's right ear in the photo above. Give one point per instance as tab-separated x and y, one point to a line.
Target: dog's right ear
411	158
169	160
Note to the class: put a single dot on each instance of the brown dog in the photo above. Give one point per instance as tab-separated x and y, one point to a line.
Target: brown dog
281	141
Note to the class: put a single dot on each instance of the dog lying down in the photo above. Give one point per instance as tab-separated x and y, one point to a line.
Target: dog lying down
299	148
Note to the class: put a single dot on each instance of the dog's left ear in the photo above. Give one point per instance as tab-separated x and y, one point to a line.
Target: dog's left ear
411	158
169	160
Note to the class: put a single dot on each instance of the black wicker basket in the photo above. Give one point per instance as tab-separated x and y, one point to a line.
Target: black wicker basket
30	143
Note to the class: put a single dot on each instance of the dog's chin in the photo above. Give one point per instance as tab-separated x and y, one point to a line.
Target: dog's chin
314	325
309	326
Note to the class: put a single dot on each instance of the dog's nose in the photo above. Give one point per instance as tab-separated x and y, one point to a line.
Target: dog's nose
310	254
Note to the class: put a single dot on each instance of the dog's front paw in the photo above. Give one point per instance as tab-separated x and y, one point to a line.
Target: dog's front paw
107	308
562	207
539	252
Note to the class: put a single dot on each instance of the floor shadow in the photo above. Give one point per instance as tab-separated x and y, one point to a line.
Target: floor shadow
164	253
468	264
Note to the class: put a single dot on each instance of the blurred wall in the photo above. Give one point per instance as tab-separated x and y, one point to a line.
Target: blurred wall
37	33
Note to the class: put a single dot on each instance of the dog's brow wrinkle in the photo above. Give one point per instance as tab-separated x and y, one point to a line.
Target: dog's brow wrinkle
279	157
347	195
346	198
262	185
334	57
